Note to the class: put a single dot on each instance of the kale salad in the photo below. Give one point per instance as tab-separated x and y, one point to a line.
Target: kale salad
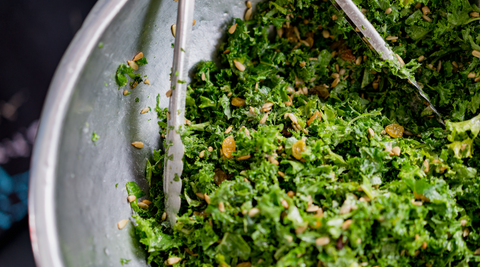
302	148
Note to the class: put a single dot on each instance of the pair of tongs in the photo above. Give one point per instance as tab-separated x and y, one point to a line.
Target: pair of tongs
374	41
173	166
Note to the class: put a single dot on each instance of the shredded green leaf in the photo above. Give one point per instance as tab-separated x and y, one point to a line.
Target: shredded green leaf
315	177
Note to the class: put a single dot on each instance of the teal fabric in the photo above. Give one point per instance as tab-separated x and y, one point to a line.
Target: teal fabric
13	198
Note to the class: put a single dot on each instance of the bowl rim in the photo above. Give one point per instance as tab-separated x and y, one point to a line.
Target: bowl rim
41	205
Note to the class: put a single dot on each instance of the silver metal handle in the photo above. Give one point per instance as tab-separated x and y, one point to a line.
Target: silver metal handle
172	184
370	35
374	41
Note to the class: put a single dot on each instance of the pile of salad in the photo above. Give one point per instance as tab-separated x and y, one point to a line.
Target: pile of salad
303	148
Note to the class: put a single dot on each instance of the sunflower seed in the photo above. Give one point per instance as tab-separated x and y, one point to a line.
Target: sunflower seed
244	157
232	28
476	53
121	224
253	212
239	65
264	119
132	64
325	33
322	241
313	208
131	198
142	205
221	207
248	14
137	144
425	10
174	29
396	151
138	56
172	260
371	132
346	224
207	199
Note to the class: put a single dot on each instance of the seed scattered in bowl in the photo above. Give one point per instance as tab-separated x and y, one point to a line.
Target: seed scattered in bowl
132	64
322	241
390	38
137	144
312	208
239	65
248	14
244	157
207	198
402	63
476	53
427	18
221	207
371	132
142	205
147	81
131	198
138	56
121	224
253	212
264	119
134	85
174	29
172	260
145	110
232	28
425	10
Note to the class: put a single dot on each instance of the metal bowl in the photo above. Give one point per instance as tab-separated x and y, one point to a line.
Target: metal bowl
74	200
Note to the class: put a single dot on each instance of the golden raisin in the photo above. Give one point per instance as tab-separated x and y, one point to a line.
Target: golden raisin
298	148
228	146
238	102
316	115
394	130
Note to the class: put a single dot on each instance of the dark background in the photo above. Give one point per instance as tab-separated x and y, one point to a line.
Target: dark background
34	36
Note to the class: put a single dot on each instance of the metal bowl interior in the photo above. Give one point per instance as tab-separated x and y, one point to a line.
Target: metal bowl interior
74	200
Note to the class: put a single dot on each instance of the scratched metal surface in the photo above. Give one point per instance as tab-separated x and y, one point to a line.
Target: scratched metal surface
74	203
